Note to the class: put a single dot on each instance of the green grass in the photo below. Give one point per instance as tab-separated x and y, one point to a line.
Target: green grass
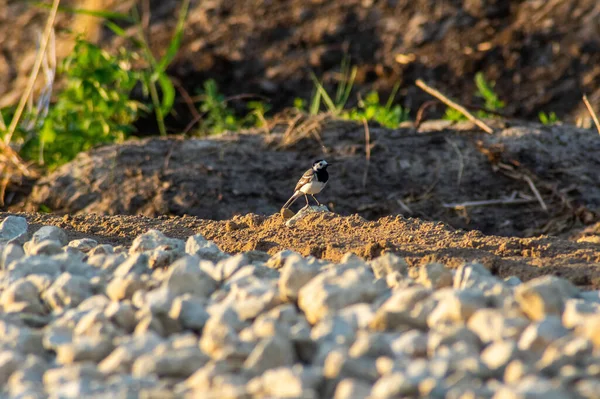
370	108
548	118
485	91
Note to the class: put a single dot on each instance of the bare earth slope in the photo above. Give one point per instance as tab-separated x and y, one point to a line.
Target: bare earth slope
414	173
329	236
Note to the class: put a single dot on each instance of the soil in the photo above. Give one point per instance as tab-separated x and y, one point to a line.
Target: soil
541	54
427	173
330	236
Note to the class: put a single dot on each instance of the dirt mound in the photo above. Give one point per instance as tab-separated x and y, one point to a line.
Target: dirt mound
541	54
435	173
329	236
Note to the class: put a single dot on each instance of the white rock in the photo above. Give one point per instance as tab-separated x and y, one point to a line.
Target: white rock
85	245
138	263
121	288
153	239
13	229
577	312
351	388
389	263
435	275
295	274
83	348
186	277
335	289
52	233
41	265
302	213
190	312
10	253
544	296
474	275
175	363
67	291
395	385
498	354
539	335
494	325
9	363
204	249
22	296
270	353
128	350
292	382
412	343
457	307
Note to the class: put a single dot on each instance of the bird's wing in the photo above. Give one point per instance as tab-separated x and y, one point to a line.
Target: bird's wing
306	178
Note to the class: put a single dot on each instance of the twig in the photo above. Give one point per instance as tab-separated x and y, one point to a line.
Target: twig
536	192
404	206
367	151
34	73
592	113
502	201
461	165
186	97
435	93
421	112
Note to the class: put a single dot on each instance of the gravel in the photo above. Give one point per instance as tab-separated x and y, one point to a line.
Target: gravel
173	318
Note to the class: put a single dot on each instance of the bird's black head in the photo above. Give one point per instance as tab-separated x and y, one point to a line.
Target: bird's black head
320	164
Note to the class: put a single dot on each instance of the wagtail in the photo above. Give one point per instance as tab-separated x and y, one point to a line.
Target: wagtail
311	183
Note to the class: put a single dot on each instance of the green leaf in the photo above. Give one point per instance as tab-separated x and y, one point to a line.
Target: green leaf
168	93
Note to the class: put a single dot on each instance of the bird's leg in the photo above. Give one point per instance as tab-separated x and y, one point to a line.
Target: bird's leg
306	198
318	203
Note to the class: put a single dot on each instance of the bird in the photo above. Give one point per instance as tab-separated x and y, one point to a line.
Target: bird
311	183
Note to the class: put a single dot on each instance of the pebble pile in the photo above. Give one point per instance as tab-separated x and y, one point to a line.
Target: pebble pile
170	318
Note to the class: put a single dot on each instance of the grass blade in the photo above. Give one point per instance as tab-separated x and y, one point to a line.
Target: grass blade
168	93
323	93
176	40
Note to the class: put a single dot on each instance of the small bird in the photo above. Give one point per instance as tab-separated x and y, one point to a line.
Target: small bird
311	183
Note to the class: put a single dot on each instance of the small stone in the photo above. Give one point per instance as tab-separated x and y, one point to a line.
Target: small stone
457	307
122	314
435	275
498	354
278	260
292	382
544	296
9	254
395	385
186	277
85	245
295	274
577	312
153	239
9	363
102	249
45	247
13	229
204	249
339	365
67	291
82	349
190	312
474	275
121	288
54	378
412	343
539	335
175	363
370	344
51	233
33	265
128	350
335	289
351	388
270	353
389	263
22	296
302	213
493	325
138	264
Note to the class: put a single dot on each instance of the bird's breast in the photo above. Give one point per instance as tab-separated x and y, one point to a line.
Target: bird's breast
313	187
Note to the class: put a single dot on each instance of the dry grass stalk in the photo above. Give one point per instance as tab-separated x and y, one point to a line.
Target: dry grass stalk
34	73
592	113
367	152
435	93
536	192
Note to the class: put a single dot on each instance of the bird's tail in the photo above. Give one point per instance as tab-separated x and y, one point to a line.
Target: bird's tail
292	199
